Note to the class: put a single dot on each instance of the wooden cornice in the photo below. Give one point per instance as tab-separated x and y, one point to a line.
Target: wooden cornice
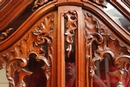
49	35
25	27
10	9
50	7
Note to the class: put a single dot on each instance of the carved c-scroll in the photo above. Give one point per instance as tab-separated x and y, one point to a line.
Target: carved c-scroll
43	33
16	65
38	3
97	33
92	35
71	26
17	56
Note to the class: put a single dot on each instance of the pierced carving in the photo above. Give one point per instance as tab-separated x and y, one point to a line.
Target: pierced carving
5	34
16	65
17	58
43	33
92	27
97	33
71	26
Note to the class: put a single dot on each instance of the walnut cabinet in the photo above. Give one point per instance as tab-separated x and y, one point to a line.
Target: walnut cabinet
37	36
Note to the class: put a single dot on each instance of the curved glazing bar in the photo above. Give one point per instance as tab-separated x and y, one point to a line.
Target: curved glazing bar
117	16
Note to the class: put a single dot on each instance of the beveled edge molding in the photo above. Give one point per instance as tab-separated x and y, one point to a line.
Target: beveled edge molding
106	44
17	57
51	6
39	3
119	30
98	2
120	5
13	12
4	3
127	2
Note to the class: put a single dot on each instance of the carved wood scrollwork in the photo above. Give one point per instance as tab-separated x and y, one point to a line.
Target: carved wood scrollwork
43	35
17	58
71	26
97	33
38	3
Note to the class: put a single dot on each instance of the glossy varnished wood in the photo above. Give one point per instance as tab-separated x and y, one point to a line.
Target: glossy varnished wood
45	32
10	9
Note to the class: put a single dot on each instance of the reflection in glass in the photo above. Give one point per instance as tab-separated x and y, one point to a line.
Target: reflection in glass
117	16
37	78
70	70
102	79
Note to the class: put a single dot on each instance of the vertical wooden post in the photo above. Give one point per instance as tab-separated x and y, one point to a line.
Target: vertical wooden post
80	45
60	50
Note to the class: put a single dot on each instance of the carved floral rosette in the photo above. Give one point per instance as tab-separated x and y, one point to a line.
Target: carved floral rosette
71	26
17	58
106	44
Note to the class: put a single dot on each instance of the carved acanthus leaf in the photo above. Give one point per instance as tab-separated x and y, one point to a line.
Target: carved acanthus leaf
120	56
43	34
71	26
105	44
14	65
34	42
94	33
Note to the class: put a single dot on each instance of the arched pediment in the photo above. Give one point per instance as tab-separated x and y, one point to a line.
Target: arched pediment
57	27
95	9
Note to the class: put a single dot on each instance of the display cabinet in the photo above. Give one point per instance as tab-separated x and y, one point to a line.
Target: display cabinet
65	43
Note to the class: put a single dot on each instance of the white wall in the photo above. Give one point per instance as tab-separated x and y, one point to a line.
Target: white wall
3	80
